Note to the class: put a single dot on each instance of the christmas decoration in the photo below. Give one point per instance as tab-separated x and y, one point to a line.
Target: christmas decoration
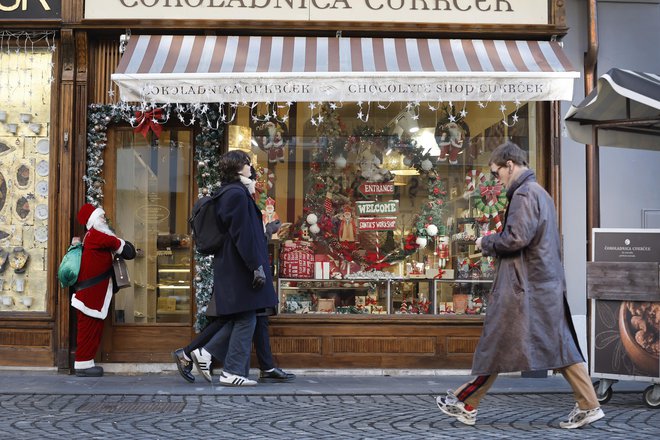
433	210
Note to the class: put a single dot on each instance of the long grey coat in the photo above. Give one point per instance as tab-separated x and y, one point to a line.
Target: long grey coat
528	324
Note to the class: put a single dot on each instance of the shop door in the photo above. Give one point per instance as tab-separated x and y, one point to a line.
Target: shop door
148	200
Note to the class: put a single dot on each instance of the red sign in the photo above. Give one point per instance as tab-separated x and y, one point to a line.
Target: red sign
374	188
377	223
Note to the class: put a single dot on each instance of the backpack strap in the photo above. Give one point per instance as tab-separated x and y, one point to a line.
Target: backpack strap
92	281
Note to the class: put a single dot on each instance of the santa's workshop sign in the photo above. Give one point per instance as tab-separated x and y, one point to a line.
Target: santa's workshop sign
377	223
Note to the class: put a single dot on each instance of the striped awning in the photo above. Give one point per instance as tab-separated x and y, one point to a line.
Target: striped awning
624	108
166	68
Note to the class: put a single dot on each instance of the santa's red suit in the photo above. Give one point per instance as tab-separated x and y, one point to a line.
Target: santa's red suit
99	245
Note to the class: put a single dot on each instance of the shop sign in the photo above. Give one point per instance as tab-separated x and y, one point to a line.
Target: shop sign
30	9
626	245
376	189
377	223
398	11
378	208
624	330
200	88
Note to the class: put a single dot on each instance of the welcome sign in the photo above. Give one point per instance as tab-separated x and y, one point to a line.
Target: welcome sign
400	11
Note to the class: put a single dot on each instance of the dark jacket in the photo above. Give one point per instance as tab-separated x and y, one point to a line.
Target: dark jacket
528	324
243	250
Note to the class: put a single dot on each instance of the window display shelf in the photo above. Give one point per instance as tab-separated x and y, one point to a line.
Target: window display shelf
446	298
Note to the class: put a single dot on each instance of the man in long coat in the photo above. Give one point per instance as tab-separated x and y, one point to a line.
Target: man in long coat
94	287
242	283
528	324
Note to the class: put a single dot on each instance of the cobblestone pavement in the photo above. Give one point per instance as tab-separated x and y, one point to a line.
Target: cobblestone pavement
502	416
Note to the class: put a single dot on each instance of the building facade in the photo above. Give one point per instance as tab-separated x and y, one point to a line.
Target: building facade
370	122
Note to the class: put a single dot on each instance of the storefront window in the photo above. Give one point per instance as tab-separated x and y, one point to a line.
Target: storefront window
381	204
152	206
25	76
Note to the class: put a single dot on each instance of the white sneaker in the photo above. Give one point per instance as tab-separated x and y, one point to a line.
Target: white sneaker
451	406
234	380
202	360
580	417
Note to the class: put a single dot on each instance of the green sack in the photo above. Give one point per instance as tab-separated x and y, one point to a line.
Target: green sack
70	266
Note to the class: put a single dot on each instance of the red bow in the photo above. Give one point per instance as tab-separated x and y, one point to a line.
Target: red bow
410	245
491	193
147	121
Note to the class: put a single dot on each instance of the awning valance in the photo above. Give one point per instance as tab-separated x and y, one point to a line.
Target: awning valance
625	109
166	68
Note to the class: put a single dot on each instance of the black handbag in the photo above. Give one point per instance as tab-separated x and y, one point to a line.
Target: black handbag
120	275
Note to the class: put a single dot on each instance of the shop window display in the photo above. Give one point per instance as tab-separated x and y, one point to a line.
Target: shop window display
25	77
381	206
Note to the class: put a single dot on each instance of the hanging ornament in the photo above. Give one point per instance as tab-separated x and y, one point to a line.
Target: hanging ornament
421	242
312	219
340	162
427	165
432	230
314	229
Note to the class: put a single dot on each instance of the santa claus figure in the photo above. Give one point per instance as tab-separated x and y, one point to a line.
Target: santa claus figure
269	215
347	228
273	143
94	287
450	142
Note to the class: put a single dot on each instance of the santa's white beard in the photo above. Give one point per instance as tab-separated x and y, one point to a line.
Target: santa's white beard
102	226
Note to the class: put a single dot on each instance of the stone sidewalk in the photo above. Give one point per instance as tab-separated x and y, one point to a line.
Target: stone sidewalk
45	404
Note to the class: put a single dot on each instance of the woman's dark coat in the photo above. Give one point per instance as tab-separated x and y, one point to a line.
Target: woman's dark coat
243	250
528	324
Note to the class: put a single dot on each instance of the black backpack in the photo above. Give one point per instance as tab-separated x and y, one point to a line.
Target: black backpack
206	230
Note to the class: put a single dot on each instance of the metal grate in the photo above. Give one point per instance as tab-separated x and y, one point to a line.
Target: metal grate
132	407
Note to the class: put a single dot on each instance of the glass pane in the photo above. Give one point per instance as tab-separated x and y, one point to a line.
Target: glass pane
368	192
25	171
152	207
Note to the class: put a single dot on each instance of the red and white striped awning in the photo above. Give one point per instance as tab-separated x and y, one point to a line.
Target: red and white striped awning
167	68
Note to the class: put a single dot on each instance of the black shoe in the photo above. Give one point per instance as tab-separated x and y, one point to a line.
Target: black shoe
275	376
90	372
184	366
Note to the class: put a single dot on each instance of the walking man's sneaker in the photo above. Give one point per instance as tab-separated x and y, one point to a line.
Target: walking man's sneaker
275	375
581	417
451	406
183	365
234	380
202	360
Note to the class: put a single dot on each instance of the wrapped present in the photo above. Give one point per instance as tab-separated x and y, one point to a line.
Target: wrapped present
460	302
296	260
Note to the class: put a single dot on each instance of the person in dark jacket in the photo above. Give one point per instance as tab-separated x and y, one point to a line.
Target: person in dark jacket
242	285
528	325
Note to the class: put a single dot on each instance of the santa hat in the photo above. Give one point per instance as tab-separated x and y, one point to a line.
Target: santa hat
88	214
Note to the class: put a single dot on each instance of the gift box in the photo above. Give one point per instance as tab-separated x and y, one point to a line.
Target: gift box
297	260
460	301
326	306
321	267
